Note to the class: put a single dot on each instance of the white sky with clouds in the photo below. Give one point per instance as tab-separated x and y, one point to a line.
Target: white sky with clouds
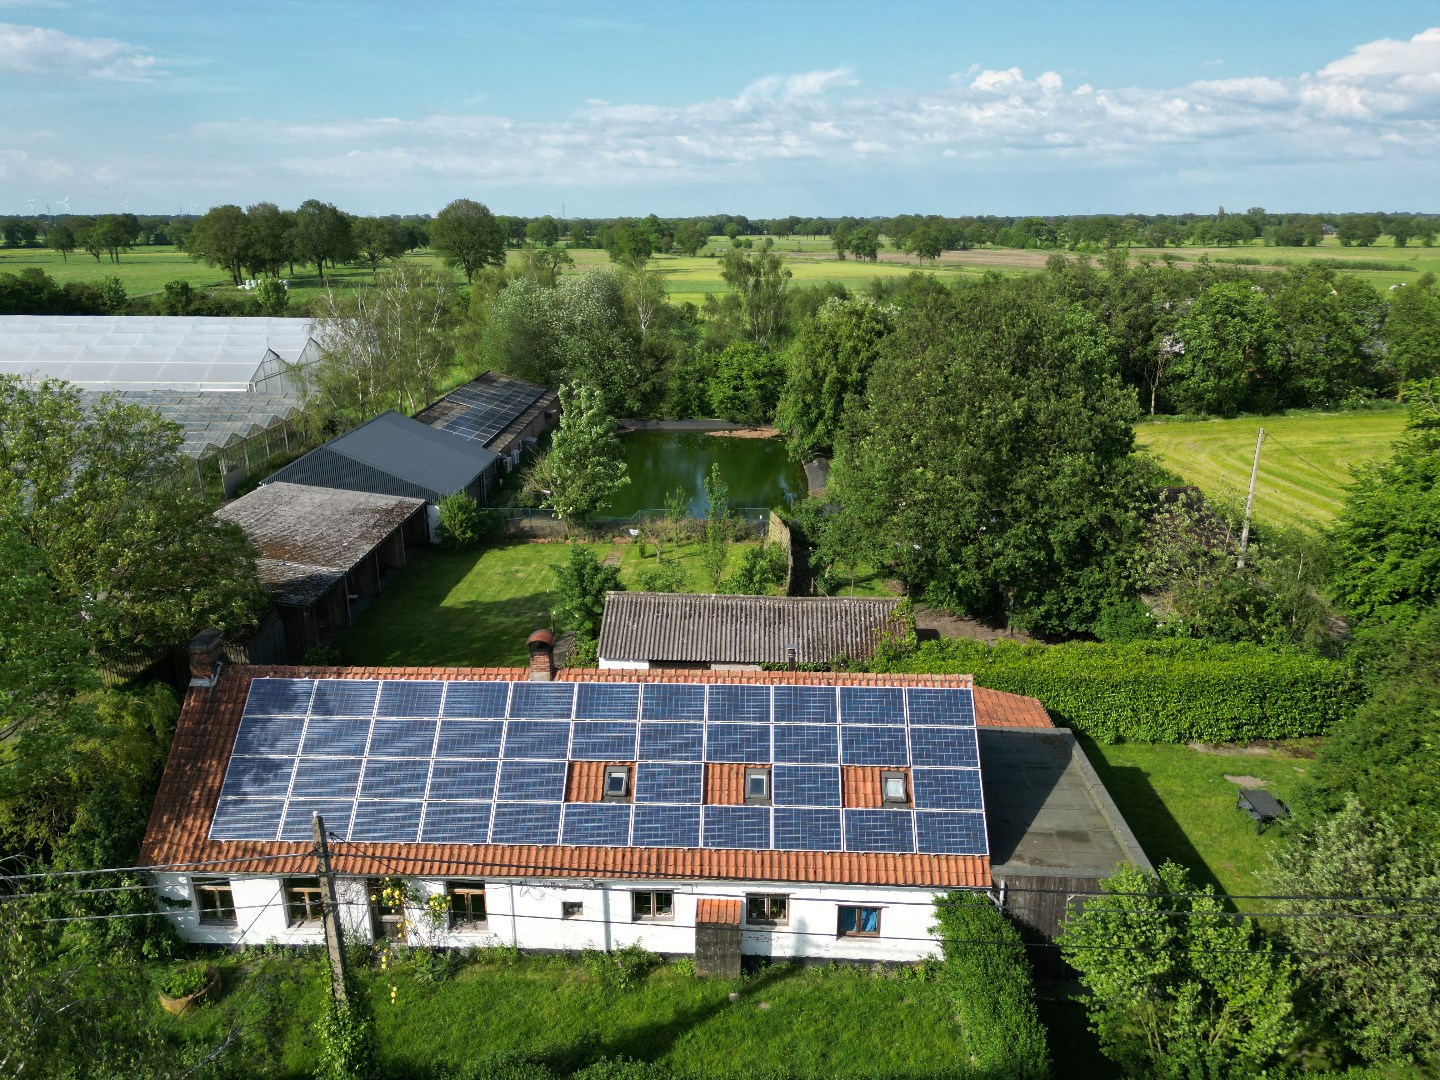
753	108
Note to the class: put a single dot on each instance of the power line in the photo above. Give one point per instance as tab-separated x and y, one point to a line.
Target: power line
1307	461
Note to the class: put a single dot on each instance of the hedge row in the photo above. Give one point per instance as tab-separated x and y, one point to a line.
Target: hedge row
986	972
1160	691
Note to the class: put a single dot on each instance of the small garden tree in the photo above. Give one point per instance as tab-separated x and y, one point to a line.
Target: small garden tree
580	588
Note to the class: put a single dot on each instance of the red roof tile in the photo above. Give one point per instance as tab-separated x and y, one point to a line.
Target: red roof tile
717	912
725	782
585	781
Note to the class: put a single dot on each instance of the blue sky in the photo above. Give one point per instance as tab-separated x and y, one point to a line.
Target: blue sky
787	106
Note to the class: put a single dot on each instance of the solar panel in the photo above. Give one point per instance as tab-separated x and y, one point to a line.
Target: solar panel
525	823
947	789
669	782
405	698
339	737
537	739
805	704
666	826
736	827
475	699
944	746
402	738
261	735
279	697
596	825
462	780
537	701
455	823
737	742
806	829
480	413
942	832
940	705
329	778
807	744
872	705
344	697
258	776
607	701
246	819
386	822
398	779
672	701
299	812
873	746
806	785
603	740
671	742
740	703
879	830
469	738
538	781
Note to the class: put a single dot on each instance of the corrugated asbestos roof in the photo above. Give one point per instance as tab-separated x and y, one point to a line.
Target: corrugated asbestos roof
178	832
724	629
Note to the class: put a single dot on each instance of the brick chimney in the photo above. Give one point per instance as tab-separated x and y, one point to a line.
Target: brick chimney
542	655
205	657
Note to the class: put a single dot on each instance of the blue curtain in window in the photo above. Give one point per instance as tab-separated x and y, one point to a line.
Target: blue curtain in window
869	920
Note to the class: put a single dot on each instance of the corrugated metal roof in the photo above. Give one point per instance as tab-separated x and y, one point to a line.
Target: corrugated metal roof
722	629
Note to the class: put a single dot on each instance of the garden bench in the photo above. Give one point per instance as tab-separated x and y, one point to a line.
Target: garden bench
1262	806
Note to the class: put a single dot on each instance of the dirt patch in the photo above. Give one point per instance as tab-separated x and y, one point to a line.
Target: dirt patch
747	433
941	623
1256	749
1247	781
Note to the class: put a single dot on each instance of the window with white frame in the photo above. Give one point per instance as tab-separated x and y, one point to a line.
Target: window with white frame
302	902
757	785
859	922
652	906
467	905
767	909
214	902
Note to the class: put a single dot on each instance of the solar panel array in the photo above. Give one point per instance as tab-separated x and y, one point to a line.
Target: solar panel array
488	408
389	761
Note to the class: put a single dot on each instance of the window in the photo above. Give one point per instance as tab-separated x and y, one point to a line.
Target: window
893	788
467	906
617	783
653	905
302	901
757	785
214	901
859	922
571	909
767	909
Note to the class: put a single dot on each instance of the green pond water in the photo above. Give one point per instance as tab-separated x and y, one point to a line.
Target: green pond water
759	471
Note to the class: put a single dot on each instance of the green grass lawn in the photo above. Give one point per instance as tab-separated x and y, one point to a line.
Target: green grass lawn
1304	464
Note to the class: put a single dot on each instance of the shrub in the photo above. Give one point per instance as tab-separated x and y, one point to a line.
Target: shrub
986	972
1159	691
762	567
462	525
185	980
623	968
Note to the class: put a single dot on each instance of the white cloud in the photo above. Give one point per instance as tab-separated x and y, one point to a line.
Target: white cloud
35	50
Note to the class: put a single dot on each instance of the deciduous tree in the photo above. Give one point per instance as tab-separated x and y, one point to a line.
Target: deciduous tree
585	465
468	237
322	235
222	238
580	587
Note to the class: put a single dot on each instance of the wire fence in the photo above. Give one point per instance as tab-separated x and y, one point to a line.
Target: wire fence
746	522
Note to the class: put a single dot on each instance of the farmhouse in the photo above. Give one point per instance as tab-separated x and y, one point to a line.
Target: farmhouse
503	415
643	630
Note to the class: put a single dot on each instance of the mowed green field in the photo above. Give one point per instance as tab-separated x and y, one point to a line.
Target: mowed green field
1304	465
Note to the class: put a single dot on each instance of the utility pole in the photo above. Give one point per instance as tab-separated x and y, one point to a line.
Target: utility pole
1250	501
330	914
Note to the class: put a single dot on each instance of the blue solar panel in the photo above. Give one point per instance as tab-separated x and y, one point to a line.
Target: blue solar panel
408	698
805	704
807	744
947	789
672	701
740	703
345	738
387	779
879	830
596	825
469	738
543	701
603	740
482	700
326	778
737	742
258	776
942	746
941	705
537	739
737	827
669	782
666	826
944	832
607	701
525	823
804	829
279	697
344	697
873	746
806	785
538	781
672	742
872	705
246	819
299	812
402	738
266	736
386	822
455	823
462	780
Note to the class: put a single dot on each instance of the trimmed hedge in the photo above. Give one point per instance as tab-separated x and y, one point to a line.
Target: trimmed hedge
1159	691
986	972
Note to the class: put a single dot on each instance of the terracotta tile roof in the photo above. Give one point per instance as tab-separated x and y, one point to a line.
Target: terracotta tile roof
717	912
860	786
996	708
585	781
725	782
178	832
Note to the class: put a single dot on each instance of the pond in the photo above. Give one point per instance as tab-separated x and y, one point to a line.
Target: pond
758	471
